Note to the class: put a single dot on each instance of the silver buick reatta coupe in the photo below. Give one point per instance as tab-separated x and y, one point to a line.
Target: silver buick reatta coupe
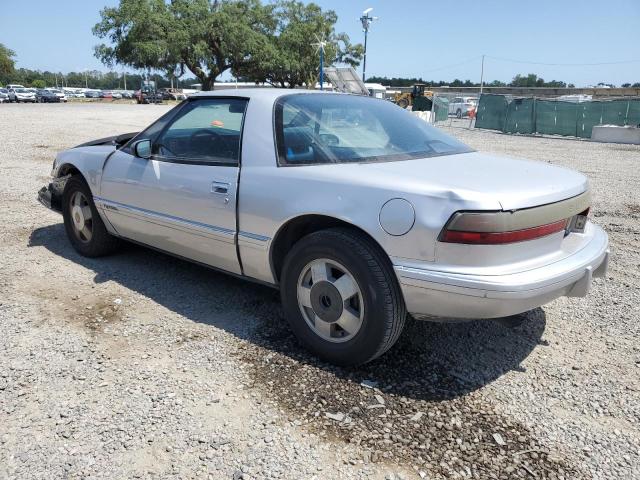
358	211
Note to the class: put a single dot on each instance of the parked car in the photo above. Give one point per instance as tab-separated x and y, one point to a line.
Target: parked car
126	93
4	95
14	85
358	211
92	93
148	94
462	106
21	95
172	94
58	93
47	96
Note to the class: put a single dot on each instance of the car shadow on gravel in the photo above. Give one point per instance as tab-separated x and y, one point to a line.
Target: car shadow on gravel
431	361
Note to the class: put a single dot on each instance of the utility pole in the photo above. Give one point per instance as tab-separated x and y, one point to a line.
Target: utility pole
124	76
86	81
366	23
482	75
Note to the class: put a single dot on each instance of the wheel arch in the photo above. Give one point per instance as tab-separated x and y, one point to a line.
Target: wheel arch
68	169
298	227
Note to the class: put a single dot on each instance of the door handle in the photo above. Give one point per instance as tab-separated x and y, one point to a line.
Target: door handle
221	188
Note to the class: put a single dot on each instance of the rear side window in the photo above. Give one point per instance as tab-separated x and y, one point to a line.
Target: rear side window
316	129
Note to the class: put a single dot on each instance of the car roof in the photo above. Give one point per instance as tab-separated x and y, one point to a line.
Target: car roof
262	93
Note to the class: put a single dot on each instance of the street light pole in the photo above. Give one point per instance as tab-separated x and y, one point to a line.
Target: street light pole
366	23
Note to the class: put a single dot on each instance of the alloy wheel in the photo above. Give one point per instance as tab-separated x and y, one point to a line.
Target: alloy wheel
81	216
330	300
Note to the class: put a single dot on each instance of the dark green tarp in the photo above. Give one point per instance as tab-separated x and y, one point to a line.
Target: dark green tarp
554	117
520	116
440	109
492	112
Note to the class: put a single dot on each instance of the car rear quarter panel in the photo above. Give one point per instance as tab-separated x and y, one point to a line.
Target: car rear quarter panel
271	195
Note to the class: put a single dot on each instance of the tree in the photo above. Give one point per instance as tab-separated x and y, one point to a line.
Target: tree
208	38
7	63
39	83
289	58
532	80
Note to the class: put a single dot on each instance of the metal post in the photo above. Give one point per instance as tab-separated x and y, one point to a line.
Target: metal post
322	67
482	75
364	63
366	23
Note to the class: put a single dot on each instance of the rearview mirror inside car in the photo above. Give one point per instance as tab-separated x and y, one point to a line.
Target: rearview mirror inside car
142	149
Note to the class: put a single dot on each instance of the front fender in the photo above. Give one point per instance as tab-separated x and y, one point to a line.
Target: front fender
89	161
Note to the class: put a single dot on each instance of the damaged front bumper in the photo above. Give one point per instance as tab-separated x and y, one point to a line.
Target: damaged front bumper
51	195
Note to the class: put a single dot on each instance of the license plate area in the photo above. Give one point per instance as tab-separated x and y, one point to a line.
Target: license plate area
578	222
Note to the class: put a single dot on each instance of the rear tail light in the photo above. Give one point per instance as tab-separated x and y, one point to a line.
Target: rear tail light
499	227
497	238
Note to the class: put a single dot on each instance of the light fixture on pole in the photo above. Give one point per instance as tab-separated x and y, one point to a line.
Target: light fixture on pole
366	20
320	44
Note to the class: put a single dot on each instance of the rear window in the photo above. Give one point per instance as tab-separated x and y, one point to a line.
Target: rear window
332	128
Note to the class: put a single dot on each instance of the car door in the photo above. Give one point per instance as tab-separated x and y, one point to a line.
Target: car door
182	199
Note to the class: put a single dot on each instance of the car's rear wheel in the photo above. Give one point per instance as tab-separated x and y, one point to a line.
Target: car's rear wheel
341	297
85	229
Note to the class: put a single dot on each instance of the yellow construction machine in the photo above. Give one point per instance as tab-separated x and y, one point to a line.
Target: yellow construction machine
419	98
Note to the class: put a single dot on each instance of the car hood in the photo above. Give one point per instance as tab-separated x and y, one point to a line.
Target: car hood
479	177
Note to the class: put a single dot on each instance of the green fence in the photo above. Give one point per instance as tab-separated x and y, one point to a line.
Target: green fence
553	117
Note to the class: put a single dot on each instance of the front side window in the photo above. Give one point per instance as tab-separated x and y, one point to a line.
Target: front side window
334	128
204	131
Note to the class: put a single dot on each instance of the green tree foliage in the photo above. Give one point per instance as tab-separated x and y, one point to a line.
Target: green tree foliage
290	58
407	82
39	83
258	42
6	62
532	80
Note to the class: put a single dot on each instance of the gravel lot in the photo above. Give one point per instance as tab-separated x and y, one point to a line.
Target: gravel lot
143	366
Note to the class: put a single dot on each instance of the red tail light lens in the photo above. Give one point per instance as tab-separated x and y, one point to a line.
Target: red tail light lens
497	238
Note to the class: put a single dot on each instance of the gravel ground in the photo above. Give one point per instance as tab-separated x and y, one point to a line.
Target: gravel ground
143	366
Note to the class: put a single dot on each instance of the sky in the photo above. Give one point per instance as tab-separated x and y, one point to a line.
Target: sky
412	38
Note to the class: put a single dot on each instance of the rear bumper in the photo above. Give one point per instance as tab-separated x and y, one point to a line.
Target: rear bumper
430	293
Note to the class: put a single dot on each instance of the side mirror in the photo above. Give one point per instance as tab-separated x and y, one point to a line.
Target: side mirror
142	149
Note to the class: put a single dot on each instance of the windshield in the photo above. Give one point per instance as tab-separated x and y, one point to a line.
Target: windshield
20	90
334	128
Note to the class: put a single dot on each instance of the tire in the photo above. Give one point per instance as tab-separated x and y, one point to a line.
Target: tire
458	113
99	242
403	103
377	305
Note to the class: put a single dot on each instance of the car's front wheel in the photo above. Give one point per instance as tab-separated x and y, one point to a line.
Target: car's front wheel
85	229
341	297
